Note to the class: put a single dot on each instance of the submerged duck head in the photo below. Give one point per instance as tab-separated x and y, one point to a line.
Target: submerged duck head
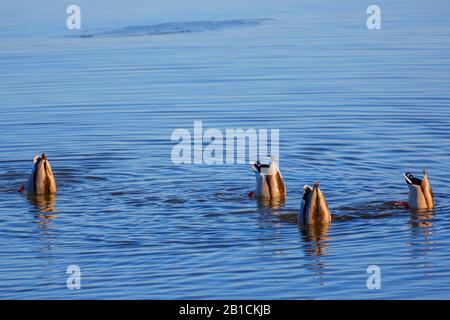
41	180
269	181
314	208
420	192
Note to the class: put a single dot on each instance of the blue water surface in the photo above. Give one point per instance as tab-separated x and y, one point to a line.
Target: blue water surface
355	108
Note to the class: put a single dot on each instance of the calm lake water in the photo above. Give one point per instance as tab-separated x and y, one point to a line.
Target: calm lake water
355	109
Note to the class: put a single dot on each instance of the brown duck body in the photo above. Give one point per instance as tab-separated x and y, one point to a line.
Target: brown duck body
41	179
269	181
420	192
314	208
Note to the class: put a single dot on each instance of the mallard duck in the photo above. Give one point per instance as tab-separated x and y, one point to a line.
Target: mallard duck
41	179
420	192
314	208
269	181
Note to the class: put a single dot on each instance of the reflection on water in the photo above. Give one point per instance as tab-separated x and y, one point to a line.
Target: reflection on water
421	223
316	238
45	203
421	241
421	219
273	203
45	220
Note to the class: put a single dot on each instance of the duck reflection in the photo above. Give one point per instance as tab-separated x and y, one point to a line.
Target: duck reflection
421	218
44	203
421	222
273	203
316	241
316	238
43	208
422	229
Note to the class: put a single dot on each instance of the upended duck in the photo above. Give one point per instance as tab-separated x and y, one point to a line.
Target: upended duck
314	208
41	179
269	181
420	192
